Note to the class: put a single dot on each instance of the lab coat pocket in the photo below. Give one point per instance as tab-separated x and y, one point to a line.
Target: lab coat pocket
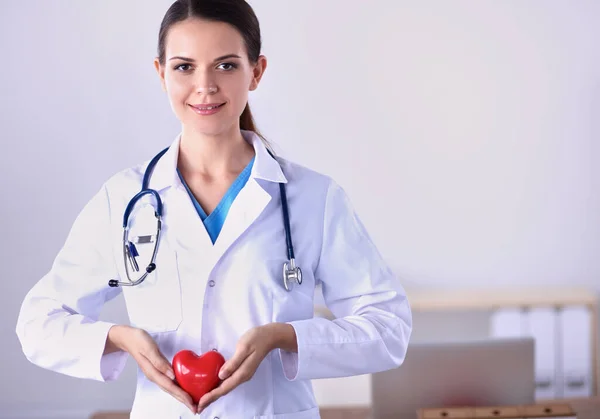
155	304
304	414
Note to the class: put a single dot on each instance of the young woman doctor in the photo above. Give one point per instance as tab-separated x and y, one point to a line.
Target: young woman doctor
217	278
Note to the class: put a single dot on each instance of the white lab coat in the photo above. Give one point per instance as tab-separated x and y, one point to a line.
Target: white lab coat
204	296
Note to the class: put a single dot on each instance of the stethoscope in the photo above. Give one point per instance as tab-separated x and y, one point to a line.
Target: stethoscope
291	273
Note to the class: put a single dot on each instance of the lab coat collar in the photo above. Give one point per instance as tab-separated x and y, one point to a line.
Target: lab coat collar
165	171
265	167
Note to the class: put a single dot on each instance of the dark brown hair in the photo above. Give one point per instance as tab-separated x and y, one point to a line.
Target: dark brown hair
237	13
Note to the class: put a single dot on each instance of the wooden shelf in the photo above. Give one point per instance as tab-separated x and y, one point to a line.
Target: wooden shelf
441	300
451	300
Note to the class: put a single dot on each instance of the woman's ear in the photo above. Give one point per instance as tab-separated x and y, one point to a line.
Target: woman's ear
161	73
258	71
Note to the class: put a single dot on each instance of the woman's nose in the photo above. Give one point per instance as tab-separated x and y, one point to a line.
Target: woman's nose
207	90
206	84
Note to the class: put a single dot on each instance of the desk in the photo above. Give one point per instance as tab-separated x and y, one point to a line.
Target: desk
585	408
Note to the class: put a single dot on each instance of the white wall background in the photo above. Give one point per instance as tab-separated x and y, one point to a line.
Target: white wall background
466	133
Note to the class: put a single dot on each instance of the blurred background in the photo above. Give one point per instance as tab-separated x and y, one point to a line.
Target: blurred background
465	132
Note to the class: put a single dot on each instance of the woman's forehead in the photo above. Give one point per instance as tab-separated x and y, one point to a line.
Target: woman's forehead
203	40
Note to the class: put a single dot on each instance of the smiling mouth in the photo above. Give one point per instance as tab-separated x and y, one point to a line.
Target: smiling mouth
208	107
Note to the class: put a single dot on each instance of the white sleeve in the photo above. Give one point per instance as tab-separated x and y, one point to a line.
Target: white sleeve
58	324
373	320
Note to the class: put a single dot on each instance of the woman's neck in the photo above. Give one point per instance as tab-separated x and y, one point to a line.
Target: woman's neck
213	156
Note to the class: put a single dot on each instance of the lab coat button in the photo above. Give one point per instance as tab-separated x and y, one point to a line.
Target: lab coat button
211	283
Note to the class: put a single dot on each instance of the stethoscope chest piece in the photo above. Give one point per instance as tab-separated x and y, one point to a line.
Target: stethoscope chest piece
291	274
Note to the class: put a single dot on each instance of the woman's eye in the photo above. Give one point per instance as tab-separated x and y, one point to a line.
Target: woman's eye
227	66
182	67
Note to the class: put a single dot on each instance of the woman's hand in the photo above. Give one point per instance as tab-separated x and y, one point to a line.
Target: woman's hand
251	349
140	345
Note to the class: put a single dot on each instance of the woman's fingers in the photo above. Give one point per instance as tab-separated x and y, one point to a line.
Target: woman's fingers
241	374
165	383
160	362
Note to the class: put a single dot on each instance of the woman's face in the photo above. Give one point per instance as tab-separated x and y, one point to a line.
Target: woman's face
207	75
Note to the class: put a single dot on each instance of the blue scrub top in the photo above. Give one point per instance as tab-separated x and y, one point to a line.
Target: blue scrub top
215	220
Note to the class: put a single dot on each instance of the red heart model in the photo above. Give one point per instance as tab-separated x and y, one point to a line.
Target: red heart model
197	375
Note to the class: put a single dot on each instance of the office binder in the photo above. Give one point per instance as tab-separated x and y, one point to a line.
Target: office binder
576	352
542	324
507	323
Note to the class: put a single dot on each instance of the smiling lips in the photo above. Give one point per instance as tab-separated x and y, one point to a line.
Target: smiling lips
207	108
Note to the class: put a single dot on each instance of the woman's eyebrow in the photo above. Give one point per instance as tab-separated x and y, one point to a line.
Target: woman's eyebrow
191	60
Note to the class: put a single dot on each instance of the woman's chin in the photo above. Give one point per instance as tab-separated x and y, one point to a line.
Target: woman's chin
210	129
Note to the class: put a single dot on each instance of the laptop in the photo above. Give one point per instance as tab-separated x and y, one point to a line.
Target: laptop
488	372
